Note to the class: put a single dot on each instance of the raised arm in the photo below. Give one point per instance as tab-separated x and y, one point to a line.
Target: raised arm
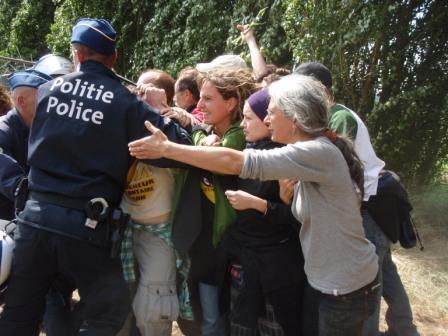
256	58
218	159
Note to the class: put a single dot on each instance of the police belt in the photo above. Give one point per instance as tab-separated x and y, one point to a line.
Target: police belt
59	200
97	210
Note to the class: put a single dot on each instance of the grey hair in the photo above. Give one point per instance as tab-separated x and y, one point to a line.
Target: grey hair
303	100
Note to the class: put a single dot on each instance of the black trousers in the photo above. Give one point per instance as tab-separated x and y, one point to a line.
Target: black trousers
39	256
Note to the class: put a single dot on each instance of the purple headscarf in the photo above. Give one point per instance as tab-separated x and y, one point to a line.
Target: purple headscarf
259	102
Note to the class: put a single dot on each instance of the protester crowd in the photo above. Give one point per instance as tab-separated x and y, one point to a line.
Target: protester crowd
232	200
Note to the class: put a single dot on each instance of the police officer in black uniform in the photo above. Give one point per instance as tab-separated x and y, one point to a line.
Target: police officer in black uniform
15	125
78	159
14	168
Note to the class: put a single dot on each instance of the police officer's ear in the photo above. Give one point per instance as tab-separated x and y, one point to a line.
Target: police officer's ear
18	98
20	102
78	57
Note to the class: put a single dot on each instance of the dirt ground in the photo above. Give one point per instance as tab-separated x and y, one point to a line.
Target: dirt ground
425	276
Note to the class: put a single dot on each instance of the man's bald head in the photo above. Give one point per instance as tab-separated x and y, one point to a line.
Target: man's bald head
24	98
24	86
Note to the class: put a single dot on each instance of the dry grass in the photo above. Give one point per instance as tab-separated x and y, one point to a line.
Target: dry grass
425	277
425	273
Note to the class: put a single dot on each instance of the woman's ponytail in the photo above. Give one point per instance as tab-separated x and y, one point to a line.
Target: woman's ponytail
355	165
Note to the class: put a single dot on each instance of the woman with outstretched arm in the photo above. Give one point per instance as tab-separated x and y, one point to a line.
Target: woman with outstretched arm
340	262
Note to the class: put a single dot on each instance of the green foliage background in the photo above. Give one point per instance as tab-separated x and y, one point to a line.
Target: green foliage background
389	58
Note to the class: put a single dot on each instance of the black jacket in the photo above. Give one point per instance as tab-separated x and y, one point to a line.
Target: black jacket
78	146
268	248
390	207
14	144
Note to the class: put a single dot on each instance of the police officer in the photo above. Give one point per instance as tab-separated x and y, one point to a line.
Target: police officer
13	170
14	127
78	158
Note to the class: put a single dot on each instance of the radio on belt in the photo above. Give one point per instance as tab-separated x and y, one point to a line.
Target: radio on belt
96	210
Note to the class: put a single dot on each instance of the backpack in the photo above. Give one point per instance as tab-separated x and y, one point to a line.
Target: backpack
391	210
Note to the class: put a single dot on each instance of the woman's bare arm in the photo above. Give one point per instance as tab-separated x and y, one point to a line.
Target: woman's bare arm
258	63
217	159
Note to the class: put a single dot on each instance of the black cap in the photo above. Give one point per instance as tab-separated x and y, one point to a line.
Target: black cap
317	70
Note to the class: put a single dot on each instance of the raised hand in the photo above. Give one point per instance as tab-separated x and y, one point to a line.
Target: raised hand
153	96
247	33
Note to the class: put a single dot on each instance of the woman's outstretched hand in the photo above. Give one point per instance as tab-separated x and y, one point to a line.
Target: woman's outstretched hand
150	147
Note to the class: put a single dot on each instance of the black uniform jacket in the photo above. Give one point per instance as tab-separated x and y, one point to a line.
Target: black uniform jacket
14	143
78	147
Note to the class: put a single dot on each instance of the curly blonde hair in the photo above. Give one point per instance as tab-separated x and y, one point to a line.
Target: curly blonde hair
236	83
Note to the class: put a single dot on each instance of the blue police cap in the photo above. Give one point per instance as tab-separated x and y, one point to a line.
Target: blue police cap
97	34
31	78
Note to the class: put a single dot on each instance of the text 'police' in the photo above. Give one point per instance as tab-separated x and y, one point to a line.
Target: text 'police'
75	109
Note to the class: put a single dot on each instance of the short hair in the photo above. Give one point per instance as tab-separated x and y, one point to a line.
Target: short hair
90	53
316	70
163	81
188	80
6	103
